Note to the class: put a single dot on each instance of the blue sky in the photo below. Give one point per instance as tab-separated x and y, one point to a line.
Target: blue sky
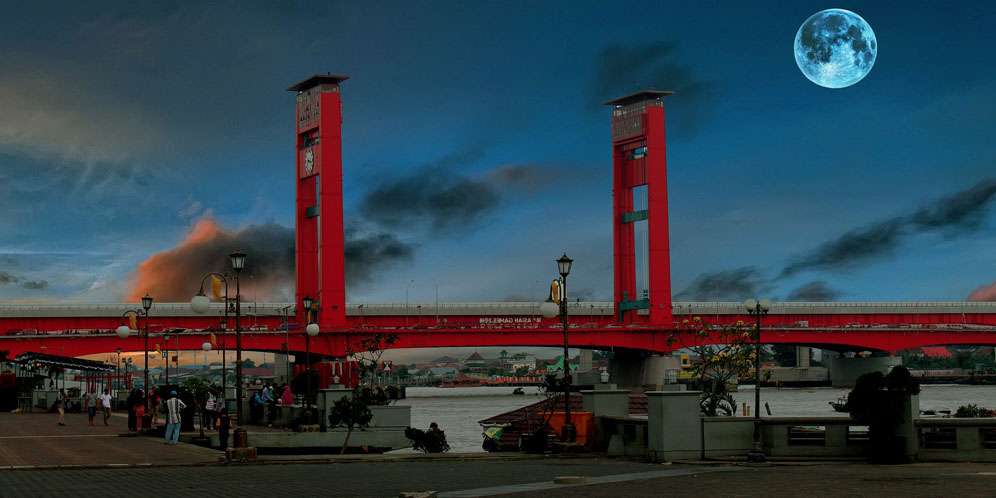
123	124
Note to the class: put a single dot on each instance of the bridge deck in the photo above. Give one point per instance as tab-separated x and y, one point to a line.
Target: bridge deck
592	308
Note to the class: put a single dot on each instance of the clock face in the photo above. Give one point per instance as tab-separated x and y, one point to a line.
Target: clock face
309	162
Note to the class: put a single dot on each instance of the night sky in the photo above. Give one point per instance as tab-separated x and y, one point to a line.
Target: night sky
476	150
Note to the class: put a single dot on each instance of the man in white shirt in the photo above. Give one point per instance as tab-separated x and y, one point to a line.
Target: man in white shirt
174	409
105	404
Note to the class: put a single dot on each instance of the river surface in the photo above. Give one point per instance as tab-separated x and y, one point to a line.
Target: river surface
458	409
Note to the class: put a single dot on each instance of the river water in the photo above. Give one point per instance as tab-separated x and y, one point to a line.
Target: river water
458	409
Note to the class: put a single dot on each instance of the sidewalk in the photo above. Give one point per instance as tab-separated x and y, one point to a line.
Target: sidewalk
850	479
34	439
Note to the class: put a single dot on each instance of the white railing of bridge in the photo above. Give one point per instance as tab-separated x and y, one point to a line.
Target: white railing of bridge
591	308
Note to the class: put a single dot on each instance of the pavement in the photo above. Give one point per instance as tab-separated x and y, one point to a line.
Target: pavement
40	458
35	439
824	480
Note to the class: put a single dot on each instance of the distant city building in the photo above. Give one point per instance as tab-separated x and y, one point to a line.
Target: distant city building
475	362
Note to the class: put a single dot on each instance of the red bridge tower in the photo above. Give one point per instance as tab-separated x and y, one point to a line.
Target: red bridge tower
320	258
639	159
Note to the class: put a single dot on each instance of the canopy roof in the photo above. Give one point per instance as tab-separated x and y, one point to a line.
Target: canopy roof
69	362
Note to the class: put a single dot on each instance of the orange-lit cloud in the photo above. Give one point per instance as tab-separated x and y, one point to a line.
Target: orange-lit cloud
984	293
174	275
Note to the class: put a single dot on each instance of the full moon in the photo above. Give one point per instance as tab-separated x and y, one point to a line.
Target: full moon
835	48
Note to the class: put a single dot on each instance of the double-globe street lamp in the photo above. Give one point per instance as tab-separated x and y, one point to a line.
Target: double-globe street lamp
757	309
569	432
311	330
125	330
200	304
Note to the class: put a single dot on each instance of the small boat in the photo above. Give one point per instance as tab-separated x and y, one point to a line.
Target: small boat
840	405
519	391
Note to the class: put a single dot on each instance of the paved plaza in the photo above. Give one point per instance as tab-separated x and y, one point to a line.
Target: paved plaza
78	460
34	439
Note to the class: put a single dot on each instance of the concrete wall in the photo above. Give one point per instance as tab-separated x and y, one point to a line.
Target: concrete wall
673	431
809	375
844	371
727	436
637	369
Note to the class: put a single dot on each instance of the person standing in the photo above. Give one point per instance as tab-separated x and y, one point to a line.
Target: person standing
90	400
174	410
60	406
131	402
105	404
224	424
140	410
154	402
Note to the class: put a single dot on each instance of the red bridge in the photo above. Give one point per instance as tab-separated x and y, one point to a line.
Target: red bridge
81	330
651	323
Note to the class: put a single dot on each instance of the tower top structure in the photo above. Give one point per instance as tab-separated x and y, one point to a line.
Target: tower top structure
318	79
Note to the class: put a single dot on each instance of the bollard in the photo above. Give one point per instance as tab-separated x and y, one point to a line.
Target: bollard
241	438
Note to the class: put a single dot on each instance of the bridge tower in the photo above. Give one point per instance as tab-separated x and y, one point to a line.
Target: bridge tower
320	244
639	159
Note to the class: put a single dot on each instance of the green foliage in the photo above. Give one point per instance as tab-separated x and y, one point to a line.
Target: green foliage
974	411
197	388
717	366
248	363
368	355
349	413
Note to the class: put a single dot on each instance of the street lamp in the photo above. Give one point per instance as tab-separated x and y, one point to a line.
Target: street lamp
569	432
166	356
124	331
757	309
311	330
200	304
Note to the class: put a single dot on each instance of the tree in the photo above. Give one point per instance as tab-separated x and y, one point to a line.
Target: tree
349	412
369	354
724	355
248	363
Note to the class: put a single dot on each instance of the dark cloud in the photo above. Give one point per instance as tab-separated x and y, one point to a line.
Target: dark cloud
625	69
961	212
437	195
7	278
35	284
856	246
726	285
366	252
817	290
527	176
173	275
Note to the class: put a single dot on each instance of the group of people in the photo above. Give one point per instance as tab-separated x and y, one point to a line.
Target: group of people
91	402
263	402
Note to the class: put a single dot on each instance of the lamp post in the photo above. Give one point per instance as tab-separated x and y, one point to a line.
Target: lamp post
757	309
311	330
124	331
117	372
569	432
166	357
200	304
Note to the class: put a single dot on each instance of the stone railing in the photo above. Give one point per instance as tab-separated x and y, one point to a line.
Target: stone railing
673	430
956	439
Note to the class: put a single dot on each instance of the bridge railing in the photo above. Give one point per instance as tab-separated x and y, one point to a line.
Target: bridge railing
583	308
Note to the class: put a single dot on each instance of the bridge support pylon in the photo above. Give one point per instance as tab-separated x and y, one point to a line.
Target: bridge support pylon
845	371
639	159
641	370
320	250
